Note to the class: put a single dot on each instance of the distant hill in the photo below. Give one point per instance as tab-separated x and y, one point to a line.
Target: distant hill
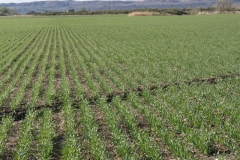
45	6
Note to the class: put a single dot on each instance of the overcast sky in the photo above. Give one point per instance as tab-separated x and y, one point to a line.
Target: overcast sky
15	1
19	1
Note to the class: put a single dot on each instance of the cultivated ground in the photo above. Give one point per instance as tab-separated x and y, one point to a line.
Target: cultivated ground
118	87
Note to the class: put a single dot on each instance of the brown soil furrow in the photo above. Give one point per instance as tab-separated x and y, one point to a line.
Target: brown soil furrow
34	154
28	90
58	141
57	79
28	93
105	133
73	93
19	113
90	47
24	51
85	152
216	149
112	84
94	78
22	77
144	124
12	140
69	78
178	136
41	101
81	77
140	89
80	74
91	57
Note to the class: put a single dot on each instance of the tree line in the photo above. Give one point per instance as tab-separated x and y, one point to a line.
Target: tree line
83	11
4	11
221	5
224	5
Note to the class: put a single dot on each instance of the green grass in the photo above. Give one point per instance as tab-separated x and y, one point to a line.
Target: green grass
112	86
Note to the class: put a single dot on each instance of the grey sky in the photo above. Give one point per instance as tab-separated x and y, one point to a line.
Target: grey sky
16	1
20	1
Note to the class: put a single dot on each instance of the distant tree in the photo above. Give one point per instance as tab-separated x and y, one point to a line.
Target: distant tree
31	12
83	9
4	11
224	5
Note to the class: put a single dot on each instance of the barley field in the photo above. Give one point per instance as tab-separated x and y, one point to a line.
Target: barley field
118	87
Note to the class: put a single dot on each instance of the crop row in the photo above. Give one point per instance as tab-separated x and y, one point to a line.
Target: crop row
104	63
194	129
82	88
